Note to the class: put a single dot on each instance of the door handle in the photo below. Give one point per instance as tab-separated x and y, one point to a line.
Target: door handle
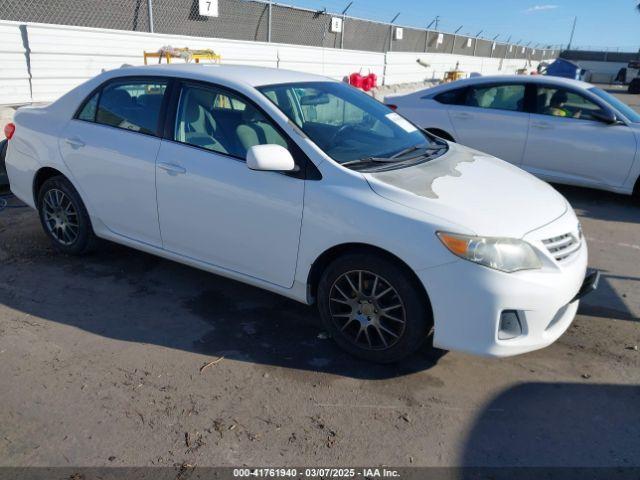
462	115
75	142
542	125
172	168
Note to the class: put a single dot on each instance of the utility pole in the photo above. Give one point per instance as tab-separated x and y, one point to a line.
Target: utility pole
573	31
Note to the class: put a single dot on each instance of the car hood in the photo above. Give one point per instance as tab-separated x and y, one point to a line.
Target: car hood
473	191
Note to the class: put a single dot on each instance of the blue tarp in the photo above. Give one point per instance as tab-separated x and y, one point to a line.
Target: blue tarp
566	69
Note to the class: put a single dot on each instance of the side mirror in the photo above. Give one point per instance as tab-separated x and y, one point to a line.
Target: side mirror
270	157
605	116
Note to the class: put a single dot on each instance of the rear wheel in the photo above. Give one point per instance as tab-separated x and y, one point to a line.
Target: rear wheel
64	217
373	308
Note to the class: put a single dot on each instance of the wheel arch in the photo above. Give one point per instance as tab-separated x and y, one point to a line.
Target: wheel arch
441	133
329	255
41	176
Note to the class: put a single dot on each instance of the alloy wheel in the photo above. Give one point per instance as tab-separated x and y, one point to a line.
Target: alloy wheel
367	309
60	216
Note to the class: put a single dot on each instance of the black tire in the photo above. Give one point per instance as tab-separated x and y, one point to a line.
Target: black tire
4	180
416	309
83	239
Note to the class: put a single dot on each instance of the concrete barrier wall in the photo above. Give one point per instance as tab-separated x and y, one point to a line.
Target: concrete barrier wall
62	57
14	74
403	67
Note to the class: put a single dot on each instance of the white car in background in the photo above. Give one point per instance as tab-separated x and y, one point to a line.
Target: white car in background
311	189
561	130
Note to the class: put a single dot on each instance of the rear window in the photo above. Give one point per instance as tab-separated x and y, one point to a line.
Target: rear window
497	97
451	97
130	105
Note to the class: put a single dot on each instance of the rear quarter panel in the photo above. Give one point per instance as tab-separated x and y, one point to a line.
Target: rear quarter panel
34	146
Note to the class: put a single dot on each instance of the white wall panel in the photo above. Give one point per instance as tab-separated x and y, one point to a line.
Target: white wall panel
329	62
14	76
403	67
65	56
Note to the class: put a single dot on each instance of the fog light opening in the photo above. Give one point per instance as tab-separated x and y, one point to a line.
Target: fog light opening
510	326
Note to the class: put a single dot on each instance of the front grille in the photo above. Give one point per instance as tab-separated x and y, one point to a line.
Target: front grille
562	246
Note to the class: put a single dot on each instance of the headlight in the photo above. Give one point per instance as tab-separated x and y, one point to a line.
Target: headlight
505	254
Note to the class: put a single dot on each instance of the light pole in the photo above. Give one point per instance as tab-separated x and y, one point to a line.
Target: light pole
573	31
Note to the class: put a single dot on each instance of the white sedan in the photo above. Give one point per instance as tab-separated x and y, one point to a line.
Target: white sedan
311	189
561	130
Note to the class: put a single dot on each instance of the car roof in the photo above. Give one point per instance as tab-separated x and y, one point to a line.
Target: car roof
540	79
238	74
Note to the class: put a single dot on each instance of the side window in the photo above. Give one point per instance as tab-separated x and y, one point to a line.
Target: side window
131	105
210	118
88	112
497	97
451	97
560	102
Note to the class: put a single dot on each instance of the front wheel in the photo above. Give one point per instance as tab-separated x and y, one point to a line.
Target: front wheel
64	217
373	307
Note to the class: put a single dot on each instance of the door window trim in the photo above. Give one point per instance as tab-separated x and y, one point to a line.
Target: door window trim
306	168
124	79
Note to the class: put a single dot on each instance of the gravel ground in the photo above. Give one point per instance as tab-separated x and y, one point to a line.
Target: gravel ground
101	363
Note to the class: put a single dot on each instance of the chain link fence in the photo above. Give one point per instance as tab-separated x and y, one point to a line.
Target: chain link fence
258	21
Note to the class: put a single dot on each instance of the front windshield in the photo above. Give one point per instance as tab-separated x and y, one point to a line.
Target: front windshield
344	122
622	107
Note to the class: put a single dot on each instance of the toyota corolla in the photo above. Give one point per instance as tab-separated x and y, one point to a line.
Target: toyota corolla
306	187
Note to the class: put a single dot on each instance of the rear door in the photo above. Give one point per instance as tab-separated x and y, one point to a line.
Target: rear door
492	118
568	144
110	147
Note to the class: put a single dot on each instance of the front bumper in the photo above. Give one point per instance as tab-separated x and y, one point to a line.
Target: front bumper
468	300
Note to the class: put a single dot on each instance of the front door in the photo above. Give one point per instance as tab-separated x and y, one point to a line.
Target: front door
212	207
568	144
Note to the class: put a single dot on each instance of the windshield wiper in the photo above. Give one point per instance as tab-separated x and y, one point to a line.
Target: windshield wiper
405	151
368	160
395	157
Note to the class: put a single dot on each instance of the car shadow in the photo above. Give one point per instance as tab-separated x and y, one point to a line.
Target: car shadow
124	294
556	425
601	205
606	302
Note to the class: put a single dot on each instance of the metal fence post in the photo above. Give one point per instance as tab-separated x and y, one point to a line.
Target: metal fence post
269	22
150	9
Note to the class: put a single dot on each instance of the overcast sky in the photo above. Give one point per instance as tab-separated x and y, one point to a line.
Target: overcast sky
603	23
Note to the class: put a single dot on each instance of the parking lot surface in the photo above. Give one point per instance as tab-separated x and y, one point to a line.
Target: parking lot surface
122	358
